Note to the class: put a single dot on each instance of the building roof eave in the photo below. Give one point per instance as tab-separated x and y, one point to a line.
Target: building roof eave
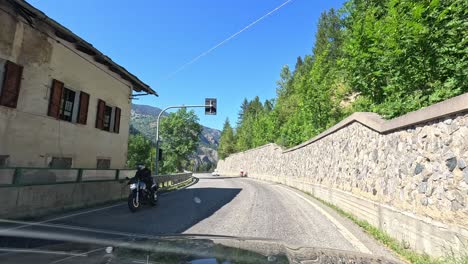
80	44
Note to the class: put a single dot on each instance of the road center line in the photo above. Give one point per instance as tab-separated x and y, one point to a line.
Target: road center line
343	231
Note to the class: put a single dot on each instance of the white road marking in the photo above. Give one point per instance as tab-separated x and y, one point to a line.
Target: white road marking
67	227
343	231
62	217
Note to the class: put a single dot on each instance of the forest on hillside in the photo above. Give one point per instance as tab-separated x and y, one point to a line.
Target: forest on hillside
385	56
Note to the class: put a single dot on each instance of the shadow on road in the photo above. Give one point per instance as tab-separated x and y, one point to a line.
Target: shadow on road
175	213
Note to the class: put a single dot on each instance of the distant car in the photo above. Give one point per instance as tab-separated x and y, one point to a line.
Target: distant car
215	173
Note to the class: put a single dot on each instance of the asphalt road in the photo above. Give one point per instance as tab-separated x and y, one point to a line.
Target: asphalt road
227	206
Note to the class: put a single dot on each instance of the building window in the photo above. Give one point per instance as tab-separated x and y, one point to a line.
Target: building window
4	160
10	81
103	163
107	118
60	163
67	104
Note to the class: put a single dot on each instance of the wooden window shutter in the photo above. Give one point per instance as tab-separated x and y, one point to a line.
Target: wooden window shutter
117	120
100	114
11	84
83	109
55	98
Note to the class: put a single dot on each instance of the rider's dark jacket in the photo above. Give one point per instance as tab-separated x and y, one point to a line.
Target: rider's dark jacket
145	176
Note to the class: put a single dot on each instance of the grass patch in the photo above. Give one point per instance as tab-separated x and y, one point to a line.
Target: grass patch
397	246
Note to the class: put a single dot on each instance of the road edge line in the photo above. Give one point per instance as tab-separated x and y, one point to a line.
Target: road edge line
355	242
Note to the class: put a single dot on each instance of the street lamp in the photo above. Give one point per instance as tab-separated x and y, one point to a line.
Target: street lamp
210	109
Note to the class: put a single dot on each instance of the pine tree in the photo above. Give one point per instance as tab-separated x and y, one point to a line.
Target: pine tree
227	141
244	106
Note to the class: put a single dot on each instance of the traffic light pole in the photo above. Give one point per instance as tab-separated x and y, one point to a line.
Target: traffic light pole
156	162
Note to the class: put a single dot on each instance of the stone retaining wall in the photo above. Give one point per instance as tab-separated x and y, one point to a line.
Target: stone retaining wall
415	167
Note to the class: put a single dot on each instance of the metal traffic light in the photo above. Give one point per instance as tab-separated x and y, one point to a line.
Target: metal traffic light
210	106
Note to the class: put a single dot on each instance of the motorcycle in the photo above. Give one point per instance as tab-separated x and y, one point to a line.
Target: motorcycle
140	194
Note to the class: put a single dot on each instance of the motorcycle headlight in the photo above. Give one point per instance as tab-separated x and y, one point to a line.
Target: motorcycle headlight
133	186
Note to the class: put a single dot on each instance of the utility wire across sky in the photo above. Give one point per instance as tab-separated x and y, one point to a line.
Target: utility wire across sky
226	40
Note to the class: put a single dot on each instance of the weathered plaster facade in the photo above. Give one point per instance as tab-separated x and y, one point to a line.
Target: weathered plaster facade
27	134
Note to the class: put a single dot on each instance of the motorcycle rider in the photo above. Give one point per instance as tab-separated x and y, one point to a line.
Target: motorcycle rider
144	174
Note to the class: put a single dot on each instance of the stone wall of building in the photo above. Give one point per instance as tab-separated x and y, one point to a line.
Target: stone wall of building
420	170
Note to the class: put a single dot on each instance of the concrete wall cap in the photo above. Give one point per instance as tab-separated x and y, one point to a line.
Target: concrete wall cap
375	122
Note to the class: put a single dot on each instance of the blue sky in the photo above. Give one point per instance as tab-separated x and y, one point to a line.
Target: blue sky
153	38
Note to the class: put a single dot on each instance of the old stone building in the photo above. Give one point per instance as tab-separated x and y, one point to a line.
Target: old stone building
62	102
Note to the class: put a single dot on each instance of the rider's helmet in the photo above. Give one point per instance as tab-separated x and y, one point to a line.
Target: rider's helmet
140	166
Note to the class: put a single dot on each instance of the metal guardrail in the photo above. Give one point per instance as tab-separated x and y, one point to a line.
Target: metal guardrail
41	176
173	179
21	176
